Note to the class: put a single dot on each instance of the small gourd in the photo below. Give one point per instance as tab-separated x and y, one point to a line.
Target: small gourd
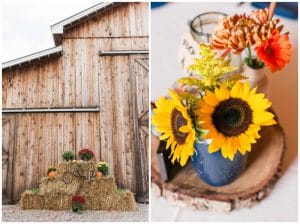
51	175
99	174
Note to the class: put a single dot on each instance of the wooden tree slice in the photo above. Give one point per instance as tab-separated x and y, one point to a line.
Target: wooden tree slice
186	189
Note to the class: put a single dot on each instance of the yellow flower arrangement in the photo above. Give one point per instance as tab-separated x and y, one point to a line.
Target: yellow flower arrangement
222	109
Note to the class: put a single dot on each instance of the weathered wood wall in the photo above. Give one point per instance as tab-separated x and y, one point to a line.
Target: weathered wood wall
35	141
81	78
32	86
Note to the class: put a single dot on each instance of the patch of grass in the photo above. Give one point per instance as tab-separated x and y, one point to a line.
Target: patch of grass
35	190
121	190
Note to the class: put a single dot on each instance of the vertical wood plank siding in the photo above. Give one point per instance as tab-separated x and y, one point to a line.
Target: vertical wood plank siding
78	78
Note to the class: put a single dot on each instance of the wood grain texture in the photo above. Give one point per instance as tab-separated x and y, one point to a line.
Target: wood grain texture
8	159
79	77
5	154
125	20
141	115
262	171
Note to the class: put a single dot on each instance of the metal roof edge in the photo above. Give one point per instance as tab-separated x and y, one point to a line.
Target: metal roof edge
59	26
31	57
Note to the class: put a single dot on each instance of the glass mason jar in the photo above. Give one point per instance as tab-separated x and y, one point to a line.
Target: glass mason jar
201	29
203	26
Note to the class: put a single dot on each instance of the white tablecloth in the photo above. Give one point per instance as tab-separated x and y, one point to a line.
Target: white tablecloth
169	24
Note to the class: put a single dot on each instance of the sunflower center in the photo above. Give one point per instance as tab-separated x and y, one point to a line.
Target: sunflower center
177	120
232	117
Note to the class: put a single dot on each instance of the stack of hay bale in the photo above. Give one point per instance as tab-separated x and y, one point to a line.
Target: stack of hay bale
78	177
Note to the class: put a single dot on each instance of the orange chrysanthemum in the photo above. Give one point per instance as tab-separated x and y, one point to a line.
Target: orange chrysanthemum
275	52
240	30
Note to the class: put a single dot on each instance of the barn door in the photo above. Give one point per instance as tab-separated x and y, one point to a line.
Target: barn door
8	129
139	71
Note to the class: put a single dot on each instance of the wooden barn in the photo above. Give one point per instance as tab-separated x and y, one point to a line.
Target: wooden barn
89	91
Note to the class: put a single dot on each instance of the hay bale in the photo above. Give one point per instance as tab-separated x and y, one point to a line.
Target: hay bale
57	201
59	186
125	201
32	200
99	186
119	201
78	177
78	168
50	201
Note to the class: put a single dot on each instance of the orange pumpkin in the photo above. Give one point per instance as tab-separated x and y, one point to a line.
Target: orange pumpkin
99	174
52	174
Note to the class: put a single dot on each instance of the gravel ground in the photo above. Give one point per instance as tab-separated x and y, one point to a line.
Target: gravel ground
13	213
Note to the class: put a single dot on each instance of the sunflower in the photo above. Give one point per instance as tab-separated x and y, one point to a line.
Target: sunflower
275	52
171	118
233	118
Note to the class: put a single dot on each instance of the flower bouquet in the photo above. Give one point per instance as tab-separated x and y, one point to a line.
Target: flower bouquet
257	32
86	154
68	155
77	203
102	167
212	119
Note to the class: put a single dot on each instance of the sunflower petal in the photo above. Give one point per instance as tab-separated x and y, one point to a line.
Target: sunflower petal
169	141
160	103
246	142
262	117
174	96
258	102
185	129
236	89
186	152
206	109
253	131
210	99
222	93
231	156
240	147
246	91
164	136
213	147
270	122
225	149
173	146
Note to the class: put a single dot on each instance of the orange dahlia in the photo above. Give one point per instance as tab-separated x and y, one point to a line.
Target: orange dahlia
275	52
240	30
